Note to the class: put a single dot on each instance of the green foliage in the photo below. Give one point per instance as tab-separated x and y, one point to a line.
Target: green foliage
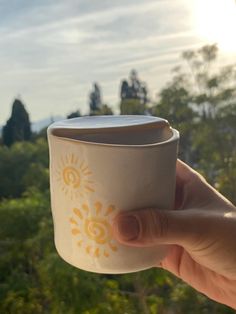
20	221
132	106
200	102
210	87
22	166
104	110
174	106
17	127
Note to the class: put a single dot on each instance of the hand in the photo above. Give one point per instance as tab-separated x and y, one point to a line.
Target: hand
201	235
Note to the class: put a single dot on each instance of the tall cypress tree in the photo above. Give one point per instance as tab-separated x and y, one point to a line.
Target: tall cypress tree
18	126
95	99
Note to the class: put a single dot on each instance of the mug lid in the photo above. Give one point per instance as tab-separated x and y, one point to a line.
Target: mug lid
104	122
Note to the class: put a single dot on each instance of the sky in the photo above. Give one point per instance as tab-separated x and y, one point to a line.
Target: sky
51	52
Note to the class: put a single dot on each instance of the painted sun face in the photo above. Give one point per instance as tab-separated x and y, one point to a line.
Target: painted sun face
93	233
73	177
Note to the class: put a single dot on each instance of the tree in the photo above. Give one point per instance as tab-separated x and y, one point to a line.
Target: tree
125	90
74	114
213	91
22	166
17	127
174	105
95	103
200	101
132	107
211	86
95	98
133	95
103	111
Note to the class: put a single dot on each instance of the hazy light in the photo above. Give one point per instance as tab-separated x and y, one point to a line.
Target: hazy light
216	22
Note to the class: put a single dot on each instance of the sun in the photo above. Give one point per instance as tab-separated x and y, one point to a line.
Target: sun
93	233
73	177
216	22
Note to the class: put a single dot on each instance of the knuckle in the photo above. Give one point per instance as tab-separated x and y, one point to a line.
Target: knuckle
159	224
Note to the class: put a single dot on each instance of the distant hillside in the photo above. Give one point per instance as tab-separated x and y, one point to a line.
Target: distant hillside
40	124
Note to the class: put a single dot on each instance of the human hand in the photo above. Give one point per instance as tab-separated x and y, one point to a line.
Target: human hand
201	236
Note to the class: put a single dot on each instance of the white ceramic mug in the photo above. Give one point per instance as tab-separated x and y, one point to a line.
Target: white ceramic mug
99	166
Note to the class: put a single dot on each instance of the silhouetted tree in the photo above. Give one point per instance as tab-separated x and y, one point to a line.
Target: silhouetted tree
124	91
135	86
95	99
74	114
17	127
105	110
133	93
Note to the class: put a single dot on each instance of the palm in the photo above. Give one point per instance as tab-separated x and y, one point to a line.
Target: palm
215	286
207	265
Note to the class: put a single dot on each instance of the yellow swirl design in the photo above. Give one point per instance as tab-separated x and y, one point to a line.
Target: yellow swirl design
98	230
71	176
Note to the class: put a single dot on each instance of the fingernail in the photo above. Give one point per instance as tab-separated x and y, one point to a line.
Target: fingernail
128	228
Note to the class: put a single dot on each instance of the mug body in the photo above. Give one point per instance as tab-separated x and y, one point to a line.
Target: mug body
91	181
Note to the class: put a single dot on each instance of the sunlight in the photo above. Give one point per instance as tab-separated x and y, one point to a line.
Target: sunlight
216	22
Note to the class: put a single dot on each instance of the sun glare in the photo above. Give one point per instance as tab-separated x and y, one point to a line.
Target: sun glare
216	22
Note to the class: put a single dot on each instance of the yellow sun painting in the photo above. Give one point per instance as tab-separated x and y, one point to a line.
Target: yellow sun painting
73	176
93	233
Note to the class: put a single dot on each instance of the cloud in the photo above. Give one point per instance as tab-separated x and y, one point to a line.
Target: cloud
51	52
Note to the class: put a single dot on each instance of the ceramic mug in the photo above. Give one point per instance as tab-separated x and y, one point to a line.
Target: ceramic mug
102	165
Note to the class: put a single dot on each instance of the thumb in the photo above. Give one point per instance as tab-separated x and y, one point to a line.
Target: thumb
151	226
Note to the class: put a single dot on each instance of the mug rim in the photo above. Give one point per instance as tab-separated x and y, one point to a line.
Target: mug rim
129	121
175	137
